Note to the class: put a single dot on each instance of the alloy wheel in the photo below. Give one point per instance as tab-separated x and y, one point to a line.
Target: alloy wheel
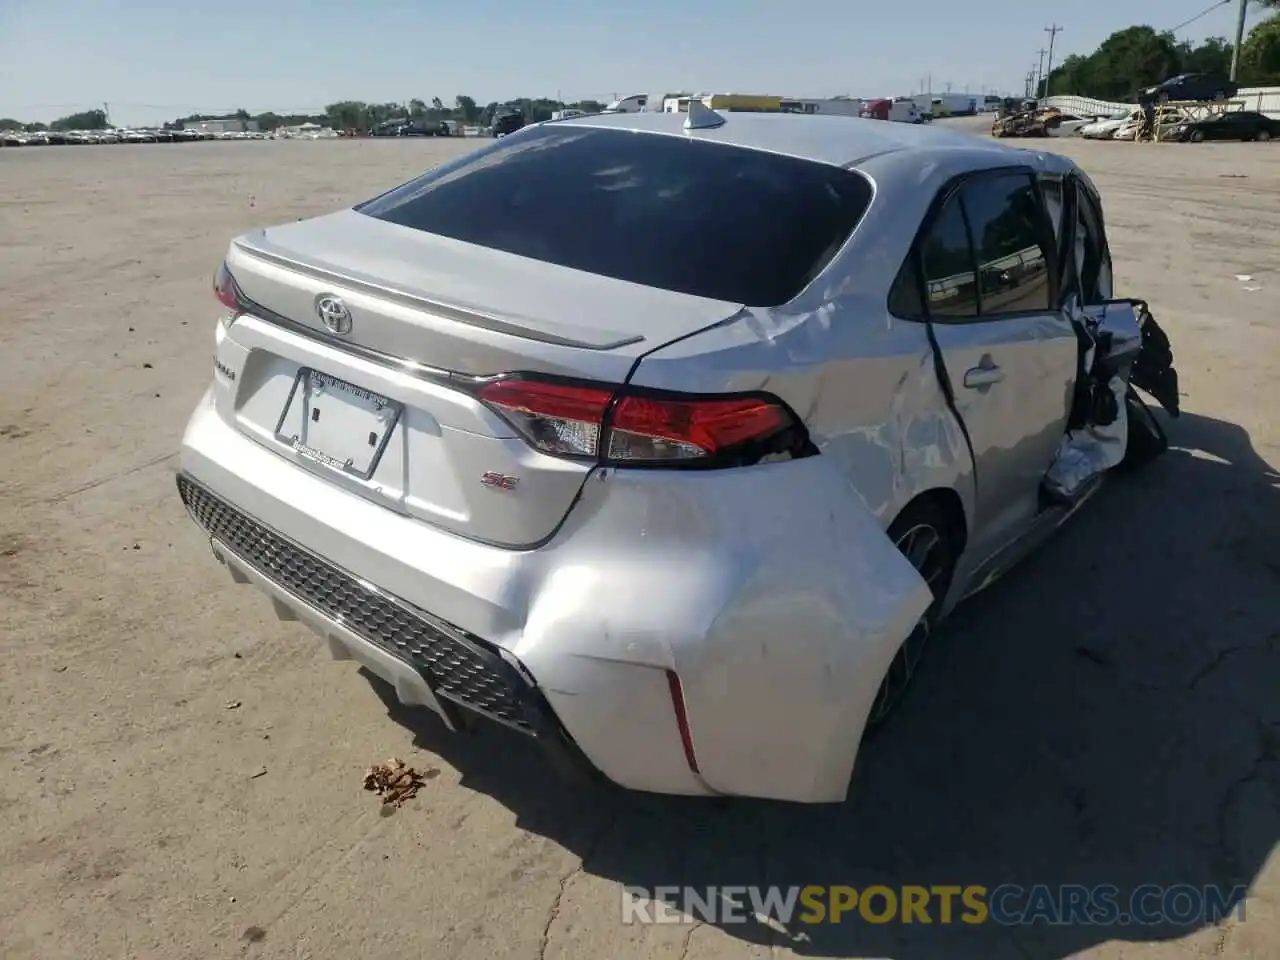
926	549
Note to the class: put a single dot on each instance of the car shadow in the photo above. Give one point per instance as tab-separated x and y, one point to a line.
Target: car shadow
1105	715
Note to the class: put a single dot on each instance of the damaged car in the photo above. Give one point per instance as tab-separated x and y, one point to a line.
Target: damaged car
669	440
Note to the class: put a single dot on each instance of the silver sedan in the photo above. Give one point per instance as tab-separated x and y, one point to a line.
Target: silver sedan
668	440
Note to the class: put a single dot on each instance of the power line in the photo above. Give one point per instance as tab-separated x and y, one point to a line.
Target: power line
1203	13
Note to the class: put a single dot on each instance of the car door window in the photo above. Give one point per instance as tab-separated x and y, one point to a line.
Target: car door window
1051	189
1010	233
946	260
1093	261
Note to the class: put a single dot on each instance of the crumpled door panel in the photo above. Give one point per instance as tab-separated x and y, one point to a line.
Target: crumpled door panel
1122	347
1153	370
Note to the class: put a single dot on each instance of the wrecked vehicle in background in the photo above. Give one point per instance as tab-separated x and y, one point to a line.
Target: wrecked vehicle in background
1036	122
661	445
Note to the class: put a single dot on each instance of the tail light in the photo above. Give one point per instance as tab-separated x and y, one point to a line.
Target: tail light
225	289
624	426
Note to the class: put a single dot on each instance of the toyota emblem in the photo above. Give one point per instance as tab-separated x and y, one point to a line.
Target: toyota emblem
333	314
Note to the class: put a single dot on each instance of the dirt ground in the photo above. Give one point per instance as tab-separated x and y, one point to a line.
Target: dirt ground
180	773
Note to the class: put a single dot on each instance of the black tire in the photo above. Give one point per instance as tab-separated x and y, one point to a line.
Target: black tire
1263	136
1145	438
924	535
1220	95
1197	136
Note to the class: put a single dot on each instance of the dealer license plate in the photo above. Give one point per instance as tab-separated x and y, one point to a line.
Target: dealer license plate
337	423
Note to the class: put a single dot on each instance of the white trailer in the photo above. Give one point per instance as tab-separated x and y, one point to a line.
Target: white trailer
635	103
949	104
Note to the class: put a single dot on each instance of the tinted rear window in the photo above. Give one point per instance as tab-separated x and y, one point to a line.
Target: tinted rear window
672	212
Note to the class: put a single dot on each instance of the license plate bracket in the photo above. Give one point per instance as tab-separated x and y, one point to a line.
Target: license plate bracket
343	426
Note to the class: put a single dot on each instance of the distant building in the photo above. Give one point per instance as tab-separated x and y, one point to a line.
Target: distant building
222	126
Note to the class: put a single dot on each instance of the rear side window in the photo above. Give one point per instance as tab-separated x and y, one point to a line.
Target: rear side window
677	213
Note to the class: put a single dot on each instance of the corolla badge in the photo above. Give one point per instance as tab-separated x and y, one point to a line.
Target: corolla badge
333	314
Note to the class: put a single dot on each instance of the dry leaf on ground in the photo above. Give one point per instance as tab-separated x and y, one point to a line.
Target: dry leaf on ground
394	781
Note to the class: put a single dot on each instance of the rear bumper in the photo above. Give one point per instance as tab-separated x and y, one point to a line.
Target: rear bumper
491	686
770	592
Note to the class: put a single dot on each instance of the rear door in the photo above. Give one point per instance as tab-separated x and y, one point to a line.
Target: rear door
987	262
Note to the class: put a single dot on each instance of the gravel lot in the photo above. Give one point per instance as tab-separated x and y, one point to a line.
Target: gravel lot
180	773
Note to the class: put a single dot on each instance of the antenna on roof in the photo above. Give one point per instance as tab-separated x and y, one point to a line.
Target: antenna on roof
702	117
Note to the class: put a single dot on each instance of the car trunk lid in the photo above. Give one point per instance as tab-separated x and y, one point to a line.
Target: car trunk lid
426	317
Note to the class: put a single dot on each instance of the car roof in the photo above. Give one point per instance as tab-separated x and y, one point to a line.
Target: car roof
837	140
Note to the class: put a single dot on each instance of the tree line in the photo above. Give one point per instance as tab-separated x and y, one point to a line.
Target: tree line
87	120
1138	57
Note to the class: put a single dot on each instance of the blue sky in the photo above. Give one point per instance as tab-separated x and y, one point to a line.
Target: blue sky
153	61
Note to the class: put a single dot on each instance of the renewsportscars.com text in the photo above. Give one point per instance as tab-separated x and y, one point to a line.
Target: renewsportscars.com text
1007	905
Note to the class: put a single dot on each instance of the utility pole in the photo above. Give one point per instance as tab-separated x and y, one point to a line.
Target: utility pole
1040	71
1053	32
1235	49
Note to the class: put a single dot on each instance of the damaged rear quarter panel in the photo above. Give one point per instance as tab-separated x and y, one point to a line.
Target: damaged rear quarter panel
862	382
770	590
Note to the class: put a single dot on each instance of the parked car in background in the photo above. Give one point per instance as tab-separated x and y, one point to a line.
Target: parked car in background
1165	120
1105	128
1234	125
507	123
426	128
527	436
1195	87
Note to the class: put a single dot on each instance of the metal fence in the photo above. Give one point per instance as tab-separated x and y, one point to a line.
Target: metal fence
1263	99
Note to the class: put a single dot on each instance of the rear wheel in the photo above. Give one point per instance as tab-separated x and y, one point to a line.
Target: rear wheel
1263	136
1220	95
922	533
